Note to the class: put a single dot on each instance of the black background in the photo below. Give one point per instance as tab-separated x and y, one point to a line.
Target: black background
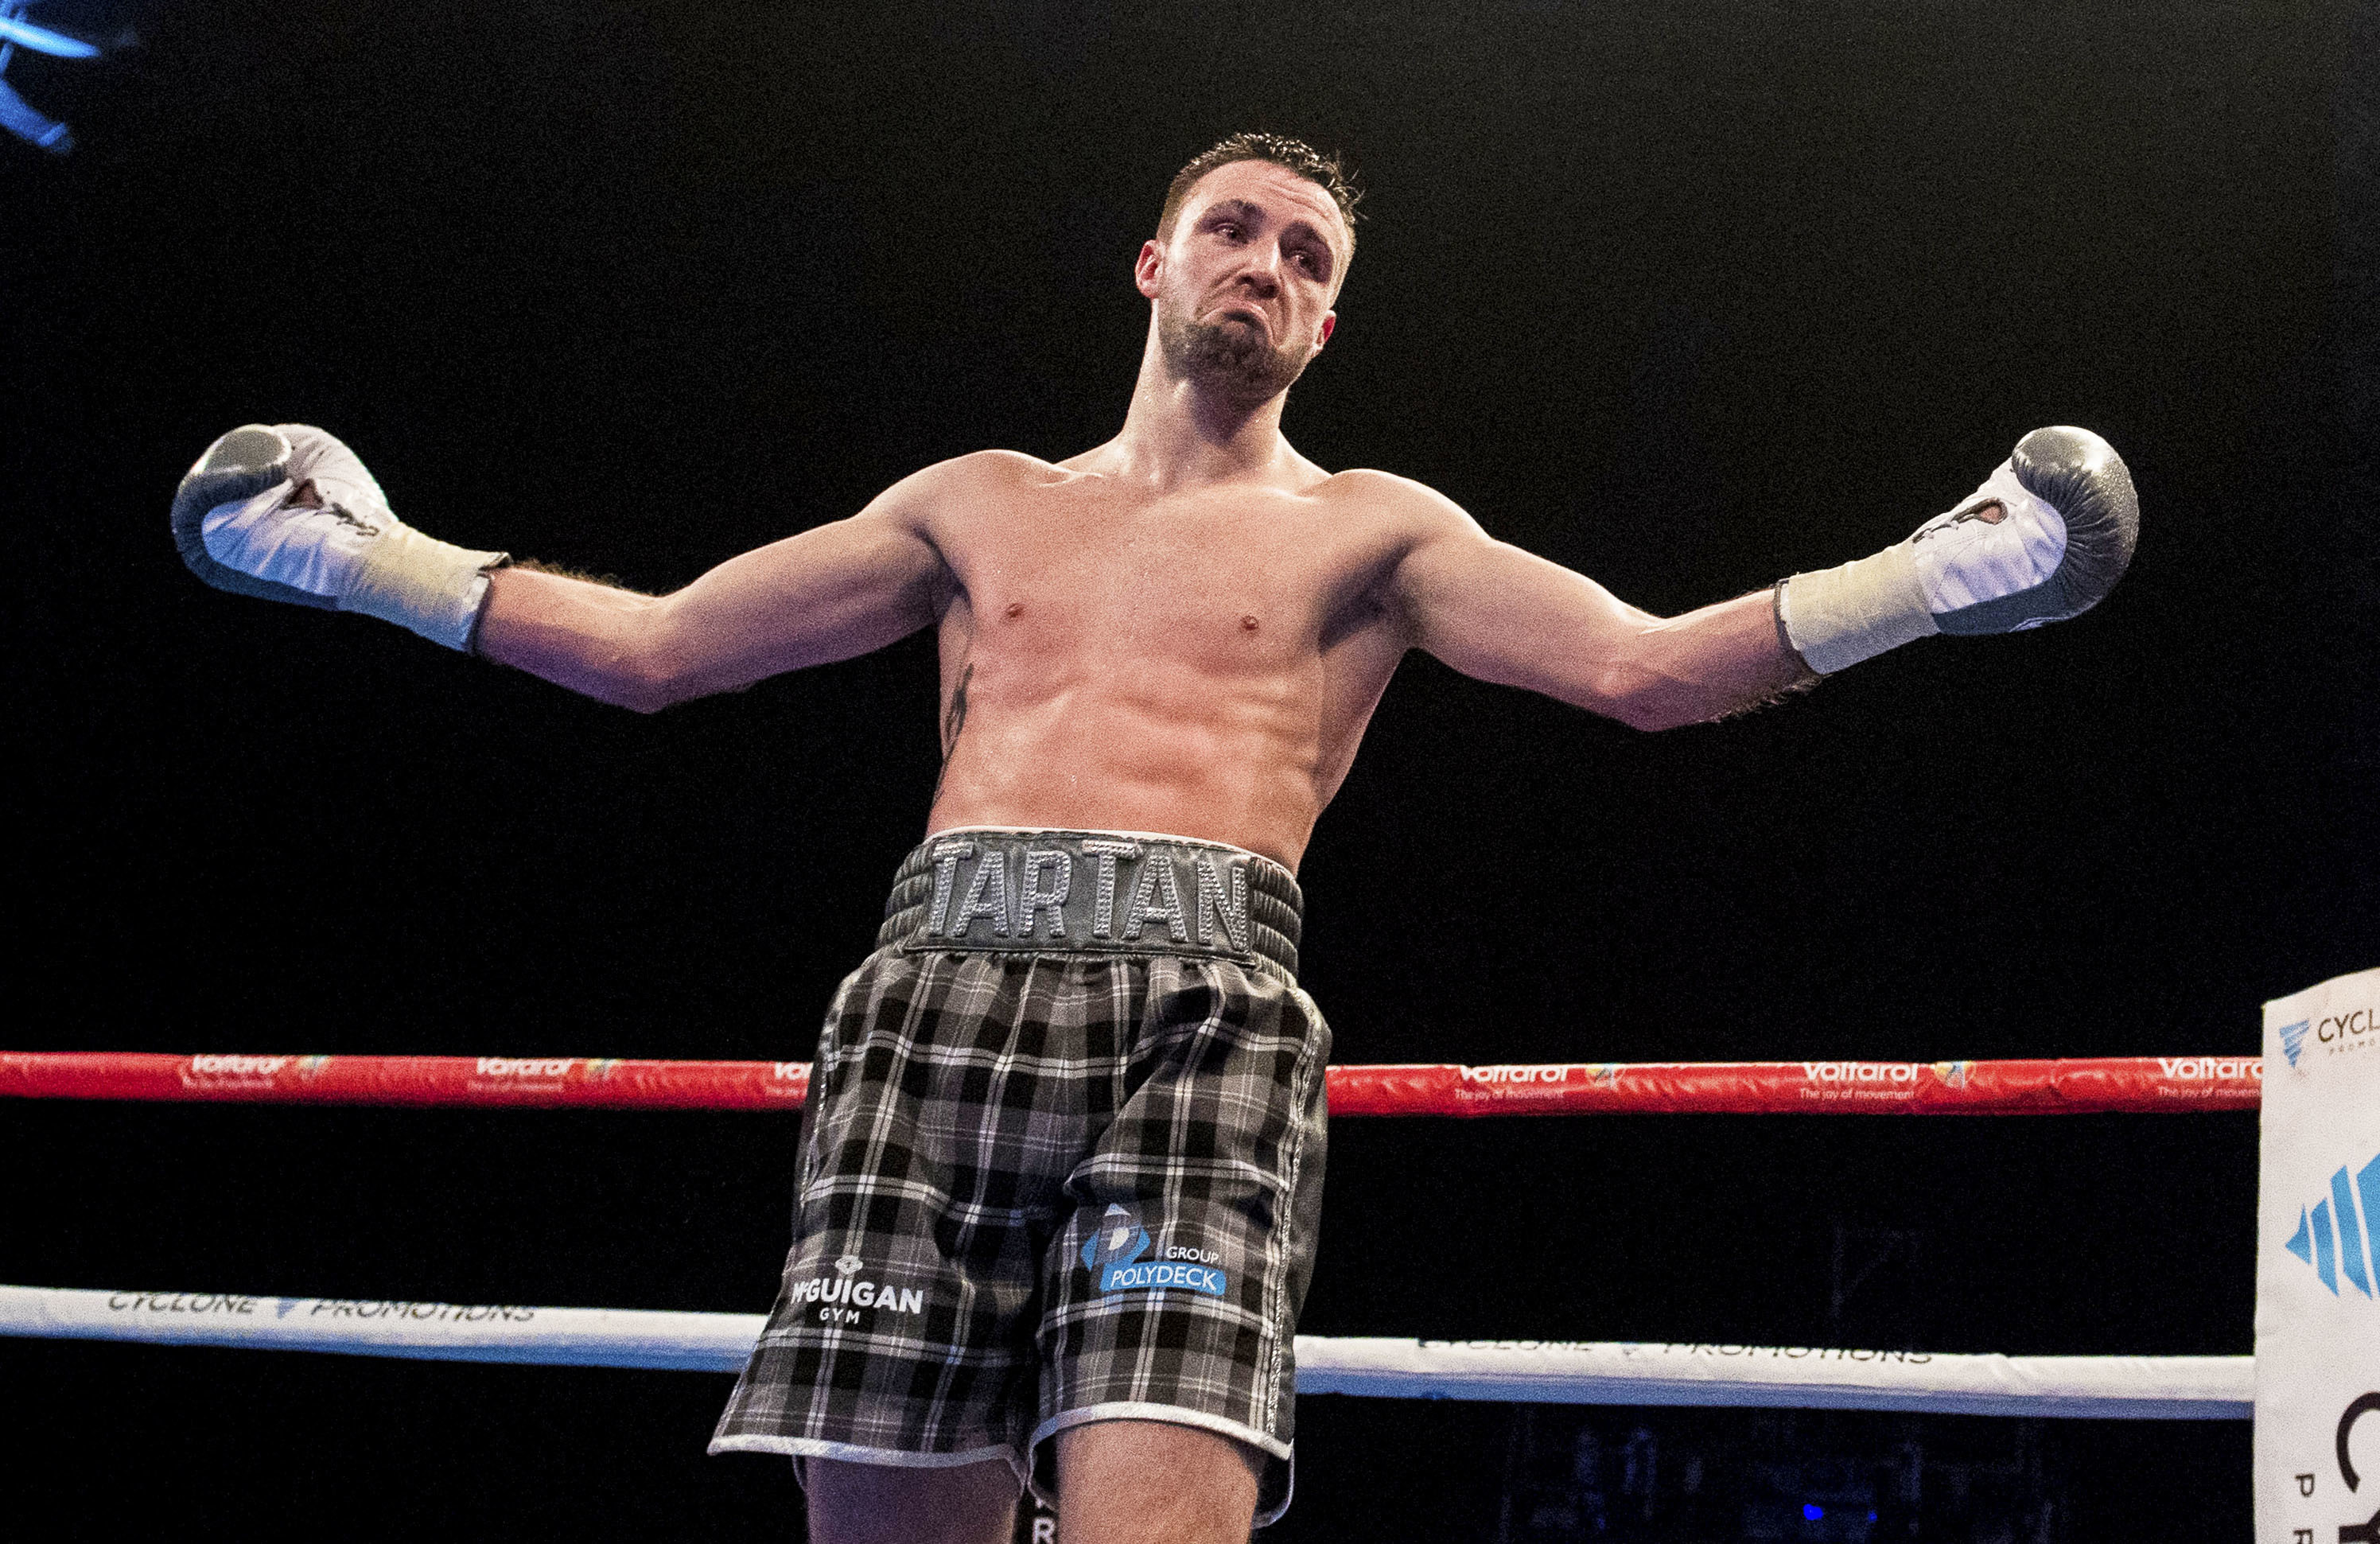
1685	297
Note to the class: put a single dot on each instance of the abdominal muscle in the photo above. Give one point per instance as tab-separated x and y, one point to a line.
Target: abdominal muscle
1160	746
1198	665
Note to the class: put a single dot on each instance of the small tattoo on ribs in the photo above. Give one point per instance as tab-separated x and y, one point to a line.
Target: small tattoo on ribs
953	722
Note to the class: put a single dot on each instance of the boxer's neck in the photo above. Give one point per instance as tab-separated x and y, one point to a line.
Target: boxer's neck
1178	435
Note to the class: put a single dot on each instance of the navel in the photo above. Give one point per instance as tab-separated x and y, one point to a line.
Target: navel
1016	608
1248	624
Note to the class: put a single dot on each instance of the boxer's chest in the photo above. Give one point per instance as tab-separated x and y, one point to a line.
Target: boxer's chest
1223	579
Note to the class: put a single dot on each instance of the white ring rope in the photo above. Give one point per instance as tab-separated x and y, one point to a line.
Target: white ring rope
2132	1387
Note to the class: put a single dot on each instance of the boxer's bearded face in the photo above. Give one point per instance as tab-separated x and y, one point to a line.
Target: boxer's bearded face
1232	357
1245	282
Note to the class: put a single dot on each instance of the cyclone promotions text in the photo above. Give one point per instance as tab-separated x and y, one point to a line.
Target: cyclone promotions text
336	1307
1634	1349
182	1302
2359	1025
451	1313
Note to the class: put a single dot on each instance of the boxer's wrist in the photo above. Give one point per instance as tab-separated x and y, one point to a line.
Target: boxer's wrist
424	585
1836	617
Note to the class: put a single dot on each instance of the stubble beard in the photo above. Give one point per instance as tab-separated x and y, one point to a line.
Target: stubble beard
1231	360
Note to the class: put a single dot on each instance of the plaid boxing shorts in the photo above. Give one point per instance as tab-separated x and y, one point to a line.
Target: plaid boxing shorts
1062	1163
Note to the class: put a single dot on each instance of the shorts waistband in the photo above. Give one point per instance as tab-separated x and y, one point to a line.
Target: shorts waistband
1094	892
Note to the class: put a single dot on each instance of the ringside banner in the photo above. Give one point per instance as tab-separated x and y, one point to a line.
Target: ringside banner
2317	1439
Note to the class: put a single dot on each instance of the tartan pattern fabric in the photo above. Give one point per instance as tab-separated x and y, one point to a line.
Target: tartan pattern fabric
1000	1149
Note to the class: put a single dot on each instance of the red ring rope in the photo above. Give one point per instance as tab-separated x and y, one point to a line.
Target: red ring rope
2140	1085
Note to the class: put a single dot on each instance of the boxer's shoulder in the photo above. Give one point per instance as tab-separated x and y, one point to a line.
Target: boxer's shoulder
975	476
1400	507
1007	469
942	503
1370	485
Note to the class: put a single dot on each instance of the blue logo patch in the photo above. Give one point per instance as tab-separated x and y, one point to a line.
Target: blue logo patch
2347	1251
1208	1279
1113	1254
2293	1040
1118	1240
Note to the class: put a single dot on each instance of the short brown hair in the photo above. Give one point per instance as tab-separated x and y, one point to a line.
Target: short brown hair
1325	172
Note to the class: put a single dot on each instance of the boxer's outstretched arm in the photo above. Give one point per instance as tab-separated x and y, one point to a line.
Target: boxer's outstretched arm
1509	617
1501	615
2045	538
289	513
828	594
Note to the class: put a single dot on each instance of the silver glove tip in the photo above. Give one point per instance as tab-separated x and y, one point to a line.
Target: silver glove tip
253	447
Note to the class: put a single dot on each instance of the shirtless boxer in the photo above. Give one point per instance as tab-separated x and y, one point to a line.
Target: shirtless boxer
1059	1179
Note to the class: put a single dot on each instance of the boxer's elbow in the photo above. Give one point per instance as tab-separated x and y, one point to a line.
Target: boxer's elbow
648	683
646	670
1654	703
1653	712
639	694
1630	696
1647	717
612	680
1656	680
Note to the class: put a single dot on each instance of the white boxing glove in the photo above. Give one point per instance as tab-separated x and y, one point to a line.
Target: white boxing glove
239	531
2047	535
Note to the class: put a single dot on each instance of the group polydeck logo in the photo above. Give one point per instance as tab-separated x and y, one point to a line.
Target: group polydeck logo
2332	1239
1113	1255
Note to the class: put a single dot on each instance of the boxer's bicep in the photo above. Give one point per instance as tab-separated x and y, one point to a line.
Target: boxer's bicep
1499	613
827	594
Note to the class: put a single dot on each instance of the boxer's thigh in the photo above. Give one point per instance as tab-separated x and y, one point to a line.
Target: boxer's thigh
884	1503
1143	1482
